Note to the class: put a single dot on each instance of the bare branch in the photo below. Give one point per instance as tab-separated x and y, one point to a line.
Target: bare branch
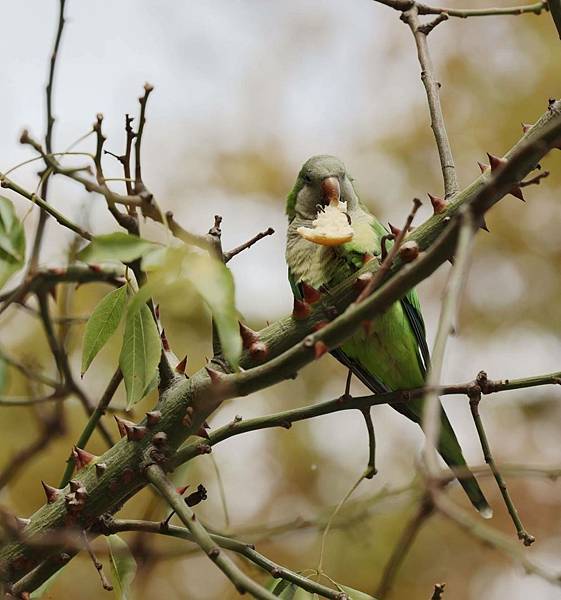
433	97
474	400
231	253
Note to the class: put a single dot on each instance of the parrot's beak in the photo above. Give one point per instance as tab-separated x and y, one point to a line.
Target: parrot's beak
332	227
331	191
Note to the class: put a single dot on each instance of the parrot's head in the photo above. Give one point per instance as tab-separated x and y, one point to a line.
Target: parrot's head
324	196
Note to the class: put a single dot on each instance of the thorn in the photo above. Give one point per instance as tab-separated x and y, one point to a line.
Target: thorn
74	485
516	191
496	161
100	469
136	433
483	224
409	251
367	257
153	417
123	426
301	310
160	439
187	420
157	311
258	351
202	432
320	325
248	336
395	230
181	490
526	127
320	349
367	326
52	292
22	523
51	492
482	167
362	281
438	204
181	366
311	295
82	457
164	339
215	376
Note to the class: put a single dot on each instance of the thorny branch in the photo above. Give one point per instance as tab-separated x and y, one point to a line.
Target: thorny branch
150	448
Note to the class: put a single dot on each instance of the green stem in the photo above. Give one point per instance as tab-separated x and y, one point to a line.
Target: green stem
242	582
92	423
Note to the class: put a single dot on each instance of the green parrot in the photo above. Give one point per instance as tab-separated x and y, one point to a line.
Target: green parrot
393	354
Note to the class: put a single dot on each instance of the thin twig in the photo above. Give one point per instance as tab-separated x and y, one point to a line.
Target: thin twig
371	465
228	543
138	137
332	519
490	537
403	546
463	13
222	492
8	183
387	262
51	429
97	564
27	371
63	366
285	418
474	400
93	422
433	97
241	581
40	230
24	401
231	253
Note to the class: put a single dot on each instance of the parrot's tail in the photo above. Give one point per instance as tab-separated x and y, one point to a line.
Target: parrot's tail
448	444
451	452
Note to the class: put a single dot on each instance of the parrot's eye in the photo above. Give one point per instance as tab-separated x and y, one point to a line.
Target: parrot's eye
307	179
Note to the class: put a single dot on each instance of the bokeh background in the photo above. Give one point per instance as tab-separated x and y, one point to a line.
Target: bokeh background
245	91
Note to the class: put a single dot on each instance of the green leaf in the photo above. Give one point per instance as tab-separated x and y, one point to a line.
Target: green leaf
116	246
140	353
276	585
186	276
102	324
214	282
288	591
123	566
12	241
354	594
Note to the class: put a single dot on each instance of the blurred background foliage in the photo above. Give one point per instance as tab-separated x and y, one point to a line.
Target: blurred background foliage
245	92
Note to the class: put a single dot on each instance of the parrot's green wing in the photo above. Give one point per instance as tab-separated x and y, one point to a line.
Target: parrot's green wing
364	364
412	308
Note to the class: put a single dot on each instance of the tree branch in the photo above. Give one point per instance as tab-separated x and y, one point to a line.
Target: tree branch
242	548
289	347
433	97
241	581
